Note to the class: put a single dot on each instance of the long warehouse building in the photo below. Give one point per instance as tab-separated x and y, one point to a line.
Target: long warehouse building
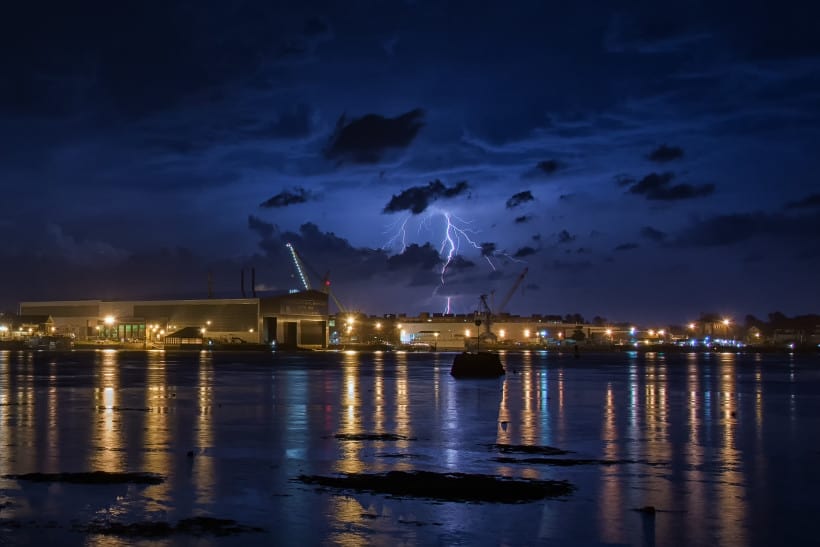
291	320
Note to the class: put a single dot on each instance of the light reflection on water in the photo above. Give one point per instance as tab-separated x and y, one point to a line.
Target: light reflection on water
716	443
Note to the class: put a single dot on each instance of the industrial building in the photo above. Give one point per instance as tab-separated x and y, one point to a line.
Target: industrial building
297	319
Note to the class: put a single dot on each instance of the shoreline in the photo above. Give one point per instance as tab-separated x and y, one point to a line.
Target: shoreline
568	351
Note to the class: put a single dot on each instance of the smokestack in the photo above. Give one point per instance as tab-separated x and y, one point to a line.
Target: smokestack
242	281
253	282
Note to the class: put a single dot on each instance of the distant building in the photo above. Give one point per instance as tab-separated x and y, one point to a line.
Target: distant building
458	331
291	320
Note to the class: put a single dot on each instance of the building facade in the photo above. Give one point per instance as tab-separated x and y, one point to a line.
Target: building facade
290	320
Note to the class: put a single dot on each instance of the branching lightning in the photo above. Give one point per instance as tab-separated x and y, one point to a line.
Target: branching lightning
454	234
399	237
457	233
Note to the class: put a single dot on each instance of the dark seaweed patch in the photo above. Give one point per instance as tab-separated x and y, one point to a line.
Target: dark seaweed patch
567	462
445	486
196	526
371	437
529	449
90	477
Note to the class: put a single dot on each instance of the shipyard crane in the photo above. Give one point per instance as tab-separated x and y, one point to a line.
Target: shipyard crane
512	290
487	315
301	269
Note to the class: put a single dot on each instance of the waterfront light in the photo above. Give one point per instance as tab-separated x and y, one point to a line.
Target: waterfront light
726	322
109	319
692	326
467	333
501	333
526	333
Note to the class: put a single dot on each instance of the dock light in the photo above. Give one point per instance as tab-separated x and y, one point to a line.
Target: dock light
109	319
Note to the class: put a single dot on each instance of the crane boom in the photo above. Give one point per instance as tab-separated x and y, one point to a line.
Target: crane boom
302	267
512	290
299	266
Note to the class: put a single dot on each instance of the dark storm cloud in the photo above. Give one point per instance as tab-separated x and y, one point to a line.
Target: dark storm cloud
460	264
524	251
488	249
286	198
627	246
664	153
624	180
414	257
656	186
418	198
565	237
318	249
367	139
523	219
652	234
724	230
519	198
548	167
809	202
265	230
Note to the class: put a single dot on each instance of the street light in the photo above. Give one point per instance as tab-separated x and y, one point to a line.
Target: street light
435	337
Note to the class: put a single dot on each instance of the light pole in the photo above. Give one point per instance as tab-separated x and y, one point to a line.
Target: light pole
435	341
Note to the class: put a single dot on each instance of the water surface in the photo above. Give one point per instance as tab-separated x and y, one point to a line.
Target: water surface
723	446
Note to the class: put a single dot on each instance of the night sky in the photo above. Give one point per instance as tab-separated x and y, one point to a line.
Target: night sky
645	161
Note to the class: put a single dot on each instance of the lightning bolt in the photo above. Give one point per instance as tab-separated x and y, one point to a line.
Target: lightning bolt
457	233
400	236
454	234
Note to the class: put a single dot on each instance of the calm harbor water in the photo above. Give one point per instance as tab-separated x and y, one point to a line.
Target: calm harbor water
725	447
